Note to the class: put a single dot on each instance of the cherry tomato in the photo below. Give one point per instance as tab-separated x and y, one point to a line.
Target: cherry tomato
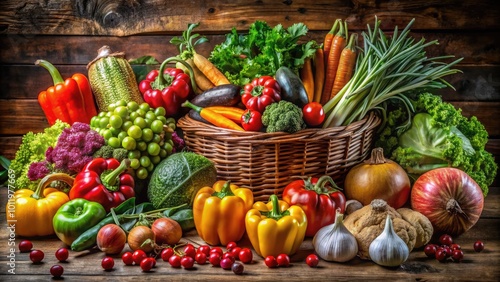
314	114
237	268
217	250
478	246
147	264
200	258
229	256
231	245
167	253
138	256
235	252
283	260
245	255
175	261
187	262
271	262
36	256
25	246
189	250
57	271
312	260
204	249
107	263
127	258
214	259
62	254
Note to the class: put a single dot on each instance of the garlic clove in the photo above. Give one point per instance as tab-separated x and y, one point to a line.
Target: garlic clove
388	249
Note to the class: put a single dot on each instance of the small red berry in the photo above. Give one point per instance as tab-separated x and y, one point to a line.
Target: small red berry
56	271
312	260
478	246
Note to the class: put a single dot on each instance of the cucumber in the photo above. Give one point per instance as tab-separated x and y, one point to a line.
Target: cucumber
222	95
112	79
292	89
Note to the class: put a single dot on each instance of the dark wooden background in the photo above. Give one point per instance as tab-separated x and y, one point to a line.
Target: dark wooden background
69	33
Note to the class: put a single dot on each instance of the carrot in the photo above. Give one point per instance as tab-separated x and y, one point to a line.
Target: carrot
327	42
209	70
346	65
213	117
307	77
232	113
319	74
338	44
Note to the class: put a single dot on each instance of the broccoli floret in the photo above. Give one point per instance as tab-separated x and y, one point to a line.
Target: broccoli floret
283	116
105	151
439	136
120	154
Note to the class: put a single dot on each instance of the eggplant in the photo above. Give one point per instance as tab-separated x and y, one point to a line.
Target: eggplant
292	89
222	95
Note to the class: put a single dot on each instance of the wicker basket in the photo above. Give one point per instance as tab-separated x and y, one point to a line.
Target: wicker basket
265	162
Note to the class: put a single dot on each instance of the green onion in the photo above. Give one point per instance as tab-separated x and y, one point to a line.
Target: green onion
387	68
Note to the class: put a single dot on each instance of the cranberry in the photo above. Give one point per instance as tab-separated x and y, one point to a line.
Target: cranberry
107	263
56	271
62	254
271	262
478	246
445	239
36	256
237	268
25	246
457	255
312	260
430	250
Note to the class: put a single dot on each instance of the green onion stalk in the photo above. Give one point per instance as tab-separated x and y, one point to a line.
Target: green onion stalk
387	68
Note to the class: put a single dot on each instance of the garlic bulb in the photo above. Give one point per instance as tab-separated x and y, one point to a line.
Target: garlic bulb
334	242
388	249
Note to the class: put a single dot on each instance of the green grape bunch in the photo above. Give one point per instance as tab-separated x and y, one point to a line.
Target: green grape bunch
143	131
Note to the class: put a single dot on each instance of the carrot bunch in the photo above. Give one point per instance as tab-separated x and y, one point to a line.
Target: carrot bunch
333	65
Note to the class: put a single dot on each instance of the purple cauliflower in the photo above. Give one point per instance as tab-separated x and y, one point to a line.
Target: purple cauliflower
74	148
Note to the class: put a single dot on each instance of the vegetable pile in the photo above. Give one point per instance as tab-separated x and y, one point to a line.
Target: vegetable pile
123	182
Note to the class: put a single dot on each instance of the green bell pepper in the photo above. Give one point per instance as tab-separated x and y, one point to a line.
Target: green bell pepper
75	217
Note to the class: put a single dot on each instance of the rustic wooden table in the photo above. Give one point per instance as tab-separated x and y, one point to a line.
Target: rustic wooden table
85	266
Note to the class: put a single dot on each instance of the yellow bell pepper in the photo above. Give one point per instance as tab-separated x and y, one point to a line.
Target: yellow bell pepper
219	212
275	228
34	210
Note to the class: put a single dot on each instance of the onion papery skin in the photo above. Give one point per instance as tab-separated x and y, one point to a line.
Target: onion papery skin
449	198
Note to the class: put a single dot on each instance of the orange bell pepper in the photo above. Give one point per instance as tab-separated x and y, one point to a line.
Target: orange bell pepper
219	212
69	100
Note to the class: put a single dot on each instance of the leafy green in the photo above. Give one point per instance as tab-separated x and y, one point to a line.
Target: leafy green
242	57
436	134
32	149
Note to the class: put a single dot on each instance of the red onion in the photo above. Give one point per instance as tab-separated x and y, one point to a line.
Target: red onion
449	198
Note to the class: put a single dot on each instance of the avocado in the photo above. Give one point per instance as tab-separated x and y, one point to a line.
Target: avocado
177	179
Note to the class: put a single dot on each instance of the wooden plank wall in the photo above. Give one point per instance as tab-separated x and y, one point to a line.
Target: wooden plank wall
69	33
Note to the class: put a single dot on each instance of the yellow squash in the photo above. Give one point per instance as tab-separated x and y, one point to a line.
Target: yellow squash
219	212
275	228
32	211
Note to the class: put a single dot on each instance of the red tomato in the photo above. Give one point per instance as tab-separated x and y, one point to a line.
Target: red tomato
314	114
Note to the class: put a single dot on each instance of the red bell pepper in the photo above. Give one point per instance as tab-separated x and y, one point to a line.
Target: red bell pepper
319	202
261	92
69	100
251	120
104	181
169	90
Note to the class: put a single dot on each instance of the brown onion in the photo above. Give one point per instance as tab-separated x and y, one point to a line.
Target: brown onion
111	239
378	178
167	231
141	238
449	198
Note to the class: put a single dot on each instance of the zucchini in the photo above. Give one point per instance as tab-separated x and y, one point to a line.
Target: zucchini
112	79
222	95
292	88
